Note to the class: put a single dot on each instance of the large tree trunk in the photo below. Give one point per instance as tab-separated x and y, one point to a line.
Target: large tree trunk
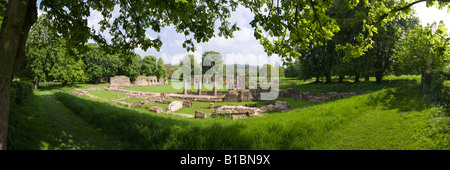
426	80
357	78
328	78
379	78
366	78
341	79
20	15
36	82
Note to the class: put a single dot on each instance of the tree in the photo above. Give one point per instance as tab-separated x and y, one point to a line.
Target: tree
127	29
130	65
190	65
381	55
161	73
149	67
99	64
281	72
210	59
292	70
297	25
265	71
67	67
41	48
422	51
310	63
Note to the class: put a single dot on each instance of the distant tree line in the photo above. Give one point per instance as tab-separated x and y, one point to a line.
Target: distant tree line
49	59
400	46
212	62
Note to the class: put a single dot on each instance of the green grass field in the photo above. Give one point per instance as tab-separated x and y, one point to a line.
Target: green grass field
396	115
108	95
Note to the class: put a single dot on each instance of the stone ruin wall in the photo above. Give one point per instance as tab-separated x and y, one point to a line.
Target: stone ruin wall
124	81
317	97
146	81
234	95
119	81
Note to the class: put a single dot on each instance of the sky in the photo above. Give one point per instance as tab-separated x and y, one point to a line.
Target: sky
431	14
243	48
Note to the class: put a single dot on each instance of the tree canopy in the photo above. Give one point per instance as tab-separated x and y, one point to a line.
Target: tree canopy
422	51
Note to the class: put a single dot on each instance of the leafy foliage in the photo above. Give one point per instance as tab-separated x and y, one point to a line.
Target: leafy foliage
161	73
130	65
67	68
212	61
149	66
422	52
128	28
21	92
41	48
99	64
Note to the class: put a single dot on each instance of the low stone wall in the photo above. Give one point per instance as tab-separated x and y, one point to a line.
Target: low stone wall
239	95
236	111
209	92
131	92
218	98
146	81
317	97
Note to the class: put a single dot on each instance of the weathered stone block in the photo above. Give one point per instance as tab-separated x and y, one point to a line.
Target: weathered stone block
239	95
174	106
200	114
274	106
122	103
119	81
156	109
238	116
187	103
237	109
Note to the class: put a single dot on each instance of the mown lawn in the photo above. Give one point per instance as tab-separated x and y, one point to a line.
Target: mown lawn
46	124
108	95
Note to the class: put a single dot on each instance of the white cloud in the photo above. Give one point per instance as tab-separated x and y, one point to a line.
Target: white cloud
245	34
220	42
242	16
165	58
250	58
243	48
41	12
428	15
94	19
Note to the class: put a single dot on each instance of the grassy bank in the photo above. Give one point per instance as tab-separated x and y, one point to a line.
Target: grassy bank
396	115
196	105
45	124
379	120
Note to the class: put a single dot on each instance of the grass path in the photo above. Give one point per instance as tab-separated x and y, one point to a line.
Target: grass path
68	131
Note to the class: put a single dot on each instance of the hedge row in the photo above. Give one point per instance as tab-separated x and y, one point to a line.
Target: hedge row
446	91
21	92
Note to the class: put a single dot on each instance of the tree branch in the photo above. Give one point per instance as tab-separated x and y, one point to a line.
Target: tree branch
403	8
315	12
